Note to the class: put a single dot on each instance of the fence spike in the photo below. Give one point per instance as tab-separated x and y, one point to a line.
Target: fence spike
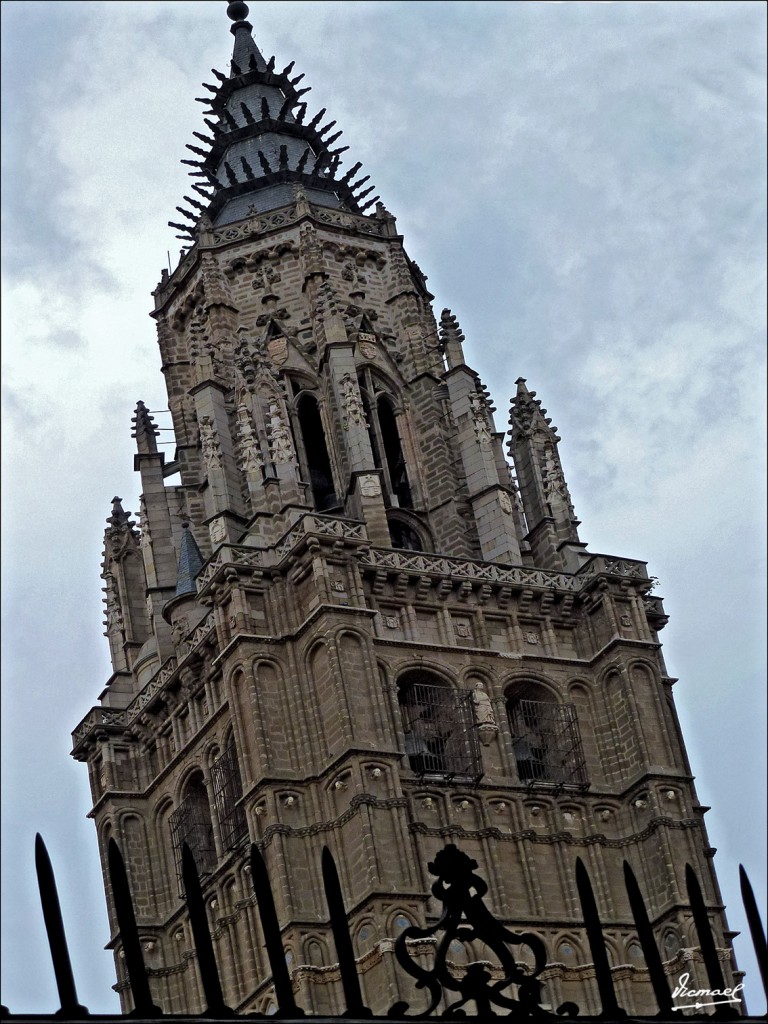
594	929
706	941
129	935
348	969
57	940
755	926
268	915
647	942
198	920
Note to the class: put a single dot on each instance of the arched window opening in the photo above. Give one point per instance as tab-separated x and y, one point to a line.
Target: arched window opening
227	792
393	451
316	452
547	743
439	726
191	824
403	536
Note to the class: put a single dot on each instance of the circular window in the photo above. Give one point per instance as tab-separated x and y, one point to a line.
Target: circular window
566	950
402	922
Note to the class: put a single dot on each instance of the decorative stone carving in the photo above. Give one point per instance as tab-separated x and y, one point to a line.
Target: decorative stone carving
391	621
487	729
370	485
480	421
462	629
248	446
366	345
351	403
179	630
114	621
531	638
218	530
626	621
210	445
280	443
145	540
554	482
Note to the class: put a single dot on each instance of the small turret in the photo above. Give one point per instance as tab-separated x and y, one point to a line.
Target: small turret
126	620
190	563
144	430
546	500
451	339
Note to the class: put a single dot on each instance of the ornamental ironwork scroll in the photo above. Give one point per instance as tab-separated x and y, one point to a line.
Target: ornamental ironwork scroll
465	918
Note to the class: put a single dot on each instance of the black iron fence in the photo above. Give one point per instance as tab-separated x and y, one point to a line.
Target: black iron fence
476	992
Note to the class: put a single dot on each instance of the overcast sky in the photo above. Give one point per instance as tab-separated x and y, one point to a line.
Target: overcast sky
583	184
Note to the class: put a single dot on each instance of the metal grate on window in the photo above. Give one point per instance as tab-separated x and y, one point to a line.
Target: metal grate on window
227	791
440	733
191	824
547	743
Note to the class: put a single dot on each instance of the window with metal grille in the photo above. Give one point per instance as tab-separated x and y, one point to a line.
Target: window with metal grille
191	824
547	743
227	790
440	734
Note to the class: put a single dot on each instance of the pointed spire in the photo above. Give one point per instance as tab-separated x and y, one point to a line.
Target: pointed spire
246	52
526	408
451	339
259	110
144	430
120	529
190	560
118	519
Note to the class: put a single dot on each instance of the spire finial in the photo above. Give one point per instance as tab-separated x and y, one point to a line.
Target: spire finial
237	11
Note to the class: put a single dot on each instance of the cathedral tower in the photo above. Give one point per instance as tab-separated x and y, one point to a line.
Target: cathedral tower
351	623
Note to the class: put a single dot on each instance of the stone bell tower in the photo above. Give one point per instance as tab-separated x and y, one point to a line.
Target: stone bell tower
351	623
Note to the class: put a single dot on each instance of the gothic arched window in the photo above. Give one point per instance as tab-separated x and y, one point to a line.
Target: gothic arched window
546	739
386	443
439	726
227	791
393	450
403	535
191	824
313	452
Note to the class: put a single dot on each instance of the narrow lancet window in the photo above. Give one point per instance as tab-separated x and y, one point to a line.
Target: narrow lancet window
191	824
316	453
227	791
393	449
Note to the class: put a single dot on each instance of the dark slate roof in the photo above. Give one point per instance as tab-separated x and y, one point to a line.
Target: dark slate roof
190	563
261	143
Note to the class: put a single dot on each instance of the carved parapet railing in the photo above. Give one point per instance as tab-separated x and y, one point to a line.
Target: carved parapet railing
153	687
312	525
424	564
228	554
97	718
609	565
